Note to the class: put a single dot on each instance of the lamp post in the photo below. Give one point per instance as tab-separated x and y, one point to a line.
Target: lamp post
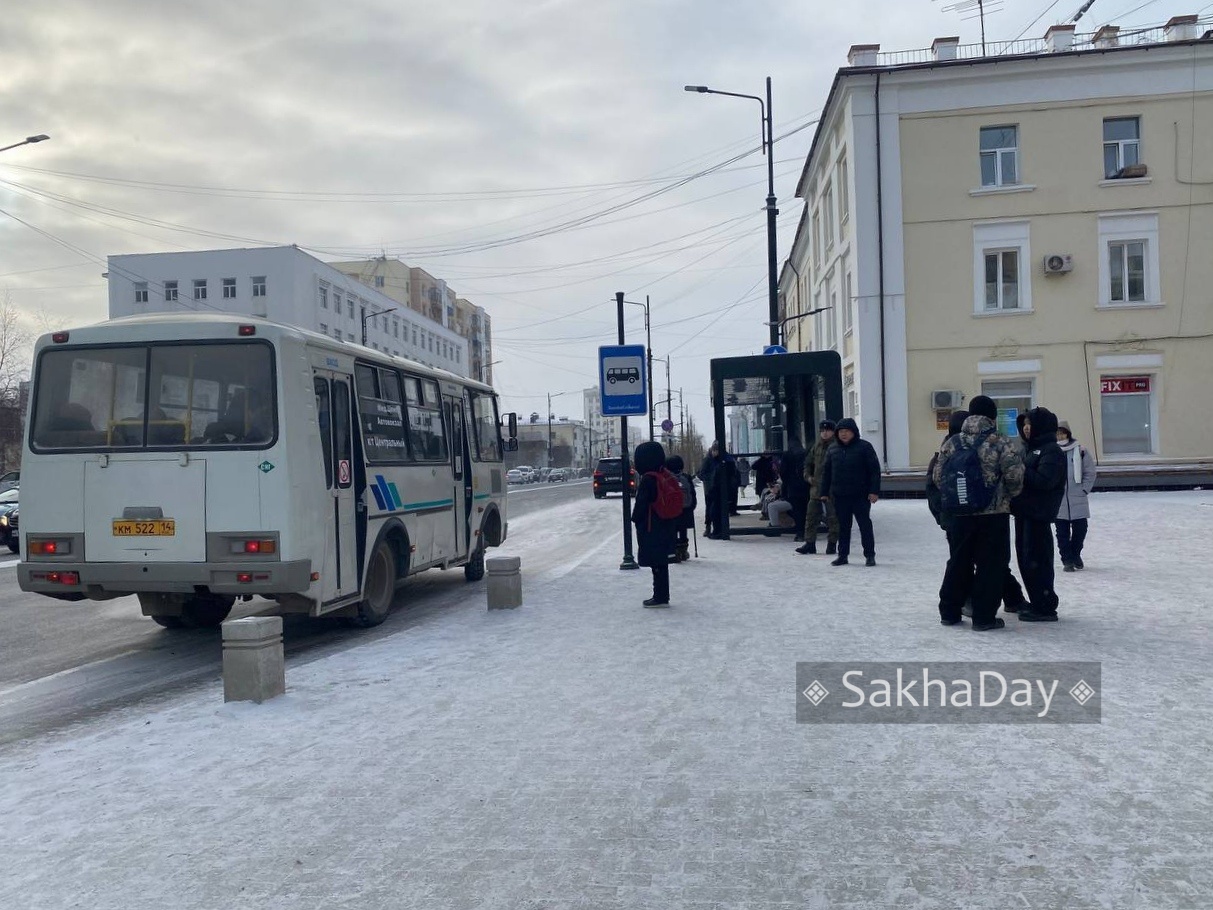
669	397
778	326
648	348
28	140
366	316
768	147
484	370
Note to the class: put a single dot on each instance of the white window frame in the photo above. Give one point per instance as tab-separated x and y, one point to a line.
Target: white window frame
1129	227
827	207
817	238
229	284
997	237
324	329
324	296
848	303
140	292
200	289
1121	145
844	195
998	153
258	285
1033	395
818	325
172	291
1153	394
831	316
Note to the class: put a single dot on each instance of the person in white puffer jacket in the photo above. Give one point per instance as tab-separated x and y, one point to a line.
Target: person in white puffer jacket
1075	511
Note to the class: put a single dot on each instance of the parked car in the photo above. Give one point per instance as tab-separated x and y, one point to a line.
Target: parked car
528	473
8	505
558	475
608	477
10	481
14	540
513	475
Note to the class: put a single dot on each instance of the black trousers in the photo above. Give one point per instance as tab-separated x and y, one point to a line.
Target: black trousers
800	508
981	558
1034	552
661	583
1071	535
861	510
957	584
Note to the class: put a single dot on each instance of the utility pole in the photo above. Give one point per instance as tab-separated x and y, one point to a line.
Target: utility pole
629	562
648	338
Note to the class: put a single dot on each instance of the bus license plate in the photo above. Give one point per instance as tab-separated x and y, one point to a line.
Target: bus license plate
160	527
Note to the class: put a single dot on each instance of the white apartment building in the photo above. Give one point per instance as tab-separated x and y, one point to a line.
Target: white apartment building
1033	224
603	432
286	285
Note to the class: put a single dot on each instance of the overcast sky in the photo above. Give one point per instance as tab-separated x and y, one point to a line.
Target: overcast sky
467	137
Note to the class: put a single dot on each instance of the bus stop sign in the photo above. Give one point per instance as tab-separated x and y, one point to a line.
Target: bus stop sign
621	380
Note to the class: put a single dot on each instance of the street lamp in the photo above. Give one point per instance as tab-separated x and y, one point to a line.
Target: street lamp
29	140
768	148
782	322
484	369
366	316
669	397
648	347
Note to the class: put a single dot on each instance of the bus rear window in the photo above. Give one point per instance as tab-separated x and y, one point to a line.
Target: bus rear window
155	396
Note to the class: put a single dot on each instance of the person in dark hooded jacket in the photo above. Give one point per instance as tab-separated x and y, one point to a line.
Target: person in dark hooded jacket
795	487
654	534
1044	485
956	585
686	521
852	482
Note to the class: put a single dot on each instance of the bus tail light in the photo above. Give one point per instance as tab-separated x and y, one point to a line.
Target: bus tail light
246	330
58	578
254	546
244	577
59	337
47	546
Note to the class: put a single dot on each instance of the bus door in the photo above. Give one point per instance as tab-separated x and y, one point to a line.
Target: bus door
461	474
339	514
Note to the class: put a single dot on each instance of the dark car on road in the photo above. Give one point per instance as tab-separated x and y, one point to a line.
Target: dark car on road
8	532
558	475
608	477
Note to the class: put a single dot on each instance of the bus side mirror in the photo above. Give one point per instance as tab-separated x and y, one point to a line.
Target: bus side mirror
512	422
511	445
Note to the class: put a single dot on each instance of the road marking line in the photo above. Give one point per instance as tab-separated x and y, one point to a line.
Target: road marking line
42	680
9	563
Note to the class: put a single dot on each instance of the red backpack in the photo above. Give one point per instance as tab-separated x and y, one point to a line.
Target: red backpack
668	503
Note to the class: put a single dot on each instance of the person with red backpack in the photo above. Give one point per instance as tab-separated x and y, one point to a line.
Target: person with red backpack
658	505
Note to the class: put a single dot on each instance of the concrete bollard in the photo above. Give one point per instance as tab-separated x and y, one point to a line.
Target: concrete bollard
254	668
505	582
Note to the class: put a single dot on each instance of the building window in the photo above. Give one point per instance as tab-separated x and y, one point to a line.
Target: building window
848	308
999	155
378	281
259	286
385	325
1121	144
1002	280
831	316
396	327
170	290
844	196
827	205
818	324
349	336
850	393
349	302
324	329
1127	271
414	336
1001	277
1128	266
140	292
1127	407
1013	397
817	238
324	297
337	334
229	288
200	289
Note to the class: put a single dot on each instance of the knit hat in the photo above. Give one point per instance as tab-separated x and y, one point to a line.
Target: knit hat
649	457
1065	425
984	406
826	425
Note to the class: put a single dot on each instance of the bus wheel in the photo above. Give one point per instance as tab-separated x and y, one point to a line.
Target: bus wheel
205	611
473	570
161	609
380	587
169	622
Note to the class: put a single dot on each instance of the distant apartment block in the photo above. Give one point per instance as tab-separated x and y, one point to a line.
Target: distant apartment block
433	298
286	285
1032	224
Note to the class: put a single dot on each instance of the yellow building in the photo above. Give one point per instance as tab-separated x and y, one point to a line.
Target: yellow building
1035	225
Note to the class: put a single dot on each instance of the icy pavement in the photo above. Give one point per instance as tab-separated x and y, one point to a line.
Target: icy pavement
585	752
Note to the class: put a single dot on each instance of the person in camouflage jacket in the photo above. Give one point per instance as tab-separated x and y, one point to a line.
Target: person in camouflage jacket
982	542
814	469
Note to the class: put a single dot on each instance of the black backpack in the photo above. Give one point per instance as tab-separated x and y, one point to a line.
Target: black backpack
688	491
963	489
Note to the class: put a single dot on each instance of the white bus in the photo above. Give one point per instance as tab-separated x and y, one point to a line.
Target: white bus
193	459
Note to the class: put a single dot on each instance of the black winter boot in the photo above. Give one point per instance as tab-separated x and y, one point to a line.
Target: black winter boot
831	549
809	546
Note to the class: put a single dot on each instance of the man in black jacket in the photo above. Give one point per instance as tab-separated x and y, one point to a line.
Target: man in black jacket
795	487
1044	485
852	482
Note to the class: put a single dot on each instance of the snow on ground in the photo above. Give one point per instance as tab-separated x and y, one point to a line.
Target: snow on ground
585	752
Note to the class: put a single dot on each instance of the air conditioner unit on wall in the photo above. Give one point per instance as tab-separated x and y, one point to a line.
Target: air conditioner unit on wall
946	398
1057	263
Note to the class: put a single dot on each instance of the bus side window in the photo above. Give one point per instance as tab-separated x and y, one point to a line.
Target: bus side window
326	432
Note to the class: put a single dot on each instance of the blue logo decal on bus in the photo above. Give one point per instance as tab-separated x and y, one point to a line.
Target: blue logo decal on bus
330	361
386	495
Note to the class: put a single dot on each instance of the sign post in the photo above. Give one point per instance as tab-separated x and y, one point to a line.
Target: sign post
623	392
